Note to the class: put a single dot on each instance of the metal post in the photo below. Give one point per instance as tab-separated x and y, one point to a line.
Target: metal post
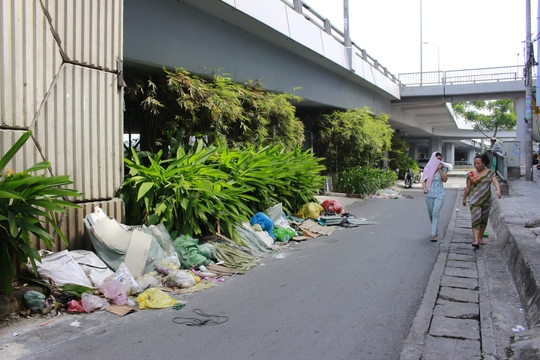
528	93
421	45
347	35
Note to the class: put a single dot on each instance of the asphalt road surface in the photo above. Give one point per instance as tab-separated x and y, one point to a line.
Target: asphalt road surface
351	295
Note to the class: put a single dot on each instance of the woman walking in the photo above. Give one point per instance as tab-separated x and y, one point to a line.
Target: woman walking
435	174
479	188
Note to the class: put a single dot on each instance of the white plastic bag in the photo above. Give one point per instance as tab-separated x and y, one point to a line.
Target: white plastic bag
62	269
124	276
180	279
92	302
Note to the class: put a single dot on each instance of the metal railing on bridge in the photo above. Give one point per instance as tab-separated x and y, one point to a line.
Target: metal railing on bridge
323	23
470	76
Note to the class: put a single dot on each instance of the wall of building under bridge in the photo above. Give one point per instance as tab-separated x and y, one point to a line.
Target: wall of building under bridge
59	79
173	34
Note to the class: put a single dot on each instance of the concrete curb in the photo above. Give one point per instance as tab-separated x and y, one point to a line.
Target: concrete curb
521	252
489	349
415	342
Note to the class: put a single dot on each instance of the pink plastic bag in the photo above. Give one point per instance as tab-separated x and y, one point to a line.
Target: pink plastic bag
114	290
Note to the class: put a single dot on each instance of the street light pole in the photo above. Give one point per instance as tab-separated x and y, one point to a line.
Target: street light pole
421	44
438	57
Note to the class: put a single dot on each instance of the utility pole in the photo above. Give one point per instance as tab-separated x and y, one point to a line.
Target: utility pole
347	33
421	46
528	96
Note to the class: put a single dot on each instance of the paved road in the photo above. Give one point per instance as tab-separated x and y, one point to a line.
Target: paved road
352	295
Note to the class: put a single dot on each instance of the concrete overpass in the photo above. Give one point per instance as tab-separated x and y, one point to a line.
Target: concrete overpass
291	48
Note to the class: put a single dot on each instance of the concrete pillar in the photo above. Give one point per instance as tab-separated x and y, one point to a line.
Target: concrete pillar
435	144
521	129
471	153
449	152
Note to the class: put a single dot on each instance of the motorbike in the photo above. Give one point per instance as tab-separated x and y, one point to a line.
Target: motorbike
409	177
418	177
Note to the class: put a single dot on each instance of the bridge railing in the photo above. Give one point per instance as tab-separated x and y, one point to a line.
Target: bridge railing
470	76
323	23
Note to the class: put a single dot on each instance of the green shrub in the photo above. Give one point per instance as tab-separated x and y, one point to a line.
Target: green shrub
191	193
364	181
27	202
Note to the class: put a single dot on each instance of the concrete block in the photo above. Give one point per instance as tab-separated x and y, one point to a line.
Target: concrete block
463	295
459	282
466	273
526	345
455	328
451	349
459	310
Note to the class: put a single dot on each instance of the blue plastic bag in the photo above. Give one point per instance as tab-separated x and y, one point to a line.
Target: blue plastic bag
265	222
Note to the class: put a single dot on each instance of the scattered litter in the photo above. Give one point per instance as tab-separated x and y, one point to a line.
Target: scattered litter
120	310
75	324
48	322
211	319
280	255
15	334
518	328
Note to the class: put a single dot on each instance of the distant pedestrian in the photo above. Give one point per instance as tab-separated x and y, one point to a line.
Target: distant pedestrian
435	174
479	188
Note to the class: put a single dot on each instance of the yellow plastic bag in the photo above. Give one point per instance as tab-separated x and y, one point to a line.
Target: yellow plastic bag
155	299
310	210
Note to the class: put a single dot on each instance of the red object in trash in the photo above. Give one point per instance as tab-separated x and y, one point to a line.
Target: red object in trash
75	306
332	205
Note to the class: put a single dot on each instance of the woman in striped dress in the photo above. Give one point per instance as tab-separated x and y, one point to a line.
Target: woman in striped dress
479	188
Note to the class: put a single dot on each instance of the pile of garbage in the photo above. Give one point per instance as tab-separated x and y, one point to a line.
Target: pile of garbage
140	267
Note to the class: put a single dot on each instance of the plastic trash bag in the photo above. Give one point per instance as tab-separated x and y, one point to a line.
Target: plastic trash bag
208	251
181	279
266	223
34	300
332	205
284	234
91	302
114	290
275	213
168	265
75	306
155	299
310	210
123	275
188	249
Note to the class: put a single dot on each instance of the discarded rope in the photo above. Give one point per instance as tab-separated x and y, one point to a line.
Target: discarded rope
213	319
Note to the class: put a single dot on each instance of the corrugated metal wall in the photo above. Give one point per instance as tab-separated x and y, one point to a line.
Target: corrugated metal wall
59	78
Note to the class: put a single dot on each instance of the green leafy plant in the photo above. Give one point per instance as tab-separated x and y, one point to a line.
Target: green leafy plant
364	180
352	138
180	105
27	202
211	185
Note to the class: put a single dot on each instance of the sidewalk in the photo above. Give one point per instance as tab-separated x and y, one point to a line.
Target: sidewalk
472	306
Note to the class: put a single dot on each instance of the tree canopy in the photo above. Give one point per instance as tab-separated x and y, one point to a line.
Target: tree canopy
174	108
352	138
488	116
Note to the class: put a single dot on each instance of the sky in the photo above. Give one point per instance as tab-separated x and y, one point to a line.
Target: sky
461	34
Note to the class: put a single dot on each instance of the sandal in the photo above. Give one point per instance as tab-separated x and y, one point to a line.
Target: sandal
482	242
475	245
433	238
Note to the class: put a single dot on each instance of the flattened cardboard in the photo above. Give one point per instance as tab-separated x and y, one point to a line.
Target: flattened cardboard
137	252
120	310
310	227
111	233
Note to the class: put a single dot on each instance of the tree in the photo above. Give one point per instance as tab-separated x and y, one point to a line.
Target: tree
352	138
488	116
176	107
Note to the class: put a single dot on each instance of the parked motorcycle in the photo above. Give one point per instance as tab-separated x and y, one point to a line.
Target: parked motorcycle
409	176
